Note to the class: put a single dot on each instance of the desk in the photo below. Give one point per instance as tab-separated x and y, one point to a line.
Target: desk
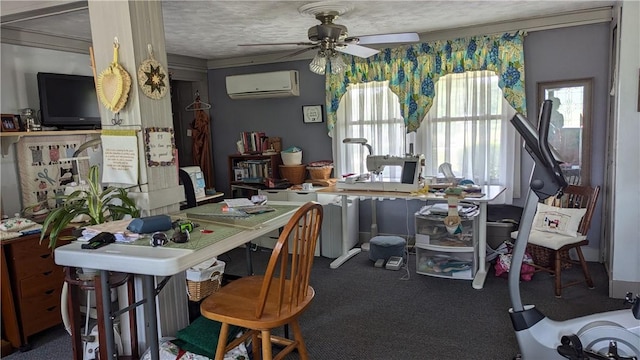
205	199
149	262
490	193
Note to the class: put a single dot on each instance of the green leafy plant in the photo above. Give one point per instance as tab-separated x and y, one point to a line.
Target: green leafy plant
97	203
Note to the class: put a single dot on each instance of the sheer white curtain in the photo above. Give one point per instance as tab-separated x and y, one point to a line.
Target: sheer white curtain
468	126
371	111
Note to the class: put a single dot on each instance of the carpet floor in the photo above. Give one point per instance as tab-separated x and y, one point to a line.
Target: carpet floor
363	312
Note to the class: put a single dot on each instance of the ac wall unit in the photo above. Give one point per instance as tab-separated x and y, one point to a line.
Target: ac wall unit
263	85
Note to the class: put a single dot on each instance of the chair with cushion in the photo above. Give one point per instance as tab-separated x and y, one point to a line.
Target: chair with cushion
561	227
260	303
189	191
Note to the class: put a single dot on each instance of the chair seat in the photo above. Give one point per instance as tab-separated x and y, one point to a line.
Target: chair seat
550	240
236	302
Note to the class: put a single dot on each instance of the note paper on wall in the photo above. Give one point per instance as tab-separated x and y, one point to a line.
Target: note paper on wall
120	158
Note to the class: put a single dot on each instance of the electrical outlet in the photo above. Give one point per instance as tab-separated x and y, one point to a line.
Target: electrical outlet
189	132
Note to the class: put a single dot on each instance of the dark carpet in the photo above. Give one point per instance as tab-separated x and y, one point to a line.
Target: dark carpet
363	312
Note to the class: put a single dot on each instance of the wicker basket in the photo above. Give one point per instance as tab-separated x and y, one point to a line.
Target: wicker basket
296	174
320	173
198	290
544	257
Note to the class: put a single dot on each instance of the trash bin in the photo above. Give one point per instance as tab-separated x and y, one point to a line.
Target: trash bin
502	220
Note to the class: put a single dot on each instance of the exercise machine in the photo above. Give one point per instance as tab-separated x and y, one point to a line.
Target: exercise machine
607	335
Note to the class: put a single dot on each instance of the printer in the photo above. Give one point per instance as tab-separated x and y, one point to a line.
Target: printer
197	179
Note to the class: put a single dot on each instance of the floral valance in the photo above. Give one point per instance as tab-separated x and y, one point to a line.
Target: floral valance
413	70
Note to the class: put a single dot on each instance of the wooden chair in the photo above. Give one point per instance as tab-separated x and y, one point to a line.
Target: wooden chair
575	196
260	303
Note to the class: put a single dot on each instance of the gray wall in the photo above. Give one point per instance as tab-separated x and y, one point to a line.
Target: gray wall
281	117
574	53
560	54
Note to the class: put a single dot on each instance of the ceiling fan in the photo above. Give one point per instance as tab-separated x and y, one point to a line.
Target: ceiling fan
329	38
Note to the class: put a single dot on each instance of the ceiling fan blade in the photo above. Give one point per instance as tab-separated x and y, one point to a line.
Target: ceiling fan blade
298	52
275	44
385	38
357	50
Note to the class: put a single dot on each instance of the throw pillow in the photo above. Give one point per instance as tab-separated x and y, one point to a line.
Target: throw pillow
558	220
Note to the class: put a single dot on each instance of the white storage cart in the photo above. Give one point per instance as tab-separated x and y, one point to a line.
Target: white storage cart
441	254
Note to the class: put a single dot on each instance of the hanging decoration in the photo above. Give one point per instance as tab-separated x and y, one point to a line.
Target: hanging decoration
152	77
114	83
160	146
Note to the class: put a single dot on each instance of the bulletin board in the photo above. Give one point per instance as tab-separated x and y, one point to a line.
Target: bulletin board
42	174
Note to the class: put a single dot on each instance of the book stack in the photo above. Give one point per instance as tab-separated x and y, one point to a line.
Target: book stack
254	142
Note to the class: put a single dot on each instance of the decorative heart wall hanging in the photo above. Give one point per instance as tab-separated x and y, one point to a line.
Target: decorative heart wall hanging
114	83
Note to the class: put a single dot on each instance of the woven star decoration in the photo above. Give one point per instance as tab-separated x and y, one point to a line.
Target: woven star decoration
155	79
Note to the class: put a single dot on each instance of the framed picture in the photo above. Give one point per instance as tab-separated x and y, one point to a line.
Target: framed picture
10	122
312	114
240	174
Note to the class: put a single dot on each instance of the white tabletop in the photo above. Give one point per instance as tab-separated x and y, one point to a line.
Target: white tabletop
160	261
490	192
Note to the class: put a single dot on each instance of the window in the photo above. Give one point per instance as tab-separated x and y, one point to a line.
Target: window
371	111
468	126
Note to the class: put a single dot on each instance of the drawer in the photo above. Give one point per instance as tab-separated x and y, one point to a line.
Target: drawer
34	264
446	264
432	231
29	247
274	195
302	196
40	313
29	257
41	284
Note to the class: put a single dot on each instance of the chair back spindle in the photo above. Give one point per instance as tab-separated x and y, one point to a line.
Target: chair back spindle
290	284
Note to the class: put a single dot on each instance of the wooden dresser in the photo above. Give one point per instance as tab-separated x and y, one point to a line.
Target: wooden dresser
31	288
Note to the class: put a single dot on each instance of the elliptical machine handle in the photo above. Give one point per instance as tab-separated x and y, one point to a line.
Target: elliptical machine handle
543	144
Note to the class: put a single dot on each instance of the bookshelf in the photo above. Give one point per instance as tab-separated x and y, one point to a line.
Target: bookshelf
253	169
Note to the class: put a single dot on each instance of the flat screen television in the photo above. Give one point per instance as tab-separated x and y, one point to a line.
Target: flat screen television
68	101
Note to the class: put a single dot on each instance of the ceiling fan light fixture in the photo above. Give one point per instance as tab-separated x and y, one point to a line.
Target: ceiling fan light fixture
337	64
319	63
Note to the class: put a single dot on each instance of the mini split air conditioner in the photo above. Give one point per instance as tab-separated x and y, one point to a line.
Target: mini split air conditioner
263	85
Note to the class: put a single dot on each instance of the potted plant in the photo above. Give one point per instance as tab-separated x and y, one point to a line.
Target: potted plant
97	203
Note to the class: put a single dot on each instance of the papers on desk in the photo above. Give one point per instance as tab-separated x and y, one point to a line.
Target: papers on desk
442	209
238	203
117	228
243	207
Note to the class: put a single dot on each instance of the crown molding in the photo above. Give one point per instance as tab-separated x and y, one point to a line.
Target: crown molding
36	39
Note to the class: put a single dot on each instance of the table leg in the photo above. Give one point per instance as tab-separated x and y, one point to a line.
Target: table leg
151	321
248	258
346	252
481	274
107	320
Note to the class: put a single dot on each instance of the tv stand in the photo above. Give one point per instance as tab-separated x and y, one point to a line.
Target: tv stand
12	137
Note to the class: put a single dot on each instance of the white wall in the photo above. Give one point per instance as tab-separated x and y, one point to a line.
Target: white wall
19	66
626	224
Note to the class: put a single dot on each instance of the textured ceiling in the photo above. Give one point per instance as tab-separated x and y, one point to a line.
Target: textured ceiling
213	29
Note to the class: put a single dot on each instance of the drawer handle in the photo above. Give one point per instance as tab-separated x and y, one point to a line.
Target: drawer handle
44	256
51	308
49	292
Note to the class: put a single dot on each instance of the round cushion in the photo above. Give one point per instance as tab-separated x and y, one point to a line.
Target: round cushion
384	247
